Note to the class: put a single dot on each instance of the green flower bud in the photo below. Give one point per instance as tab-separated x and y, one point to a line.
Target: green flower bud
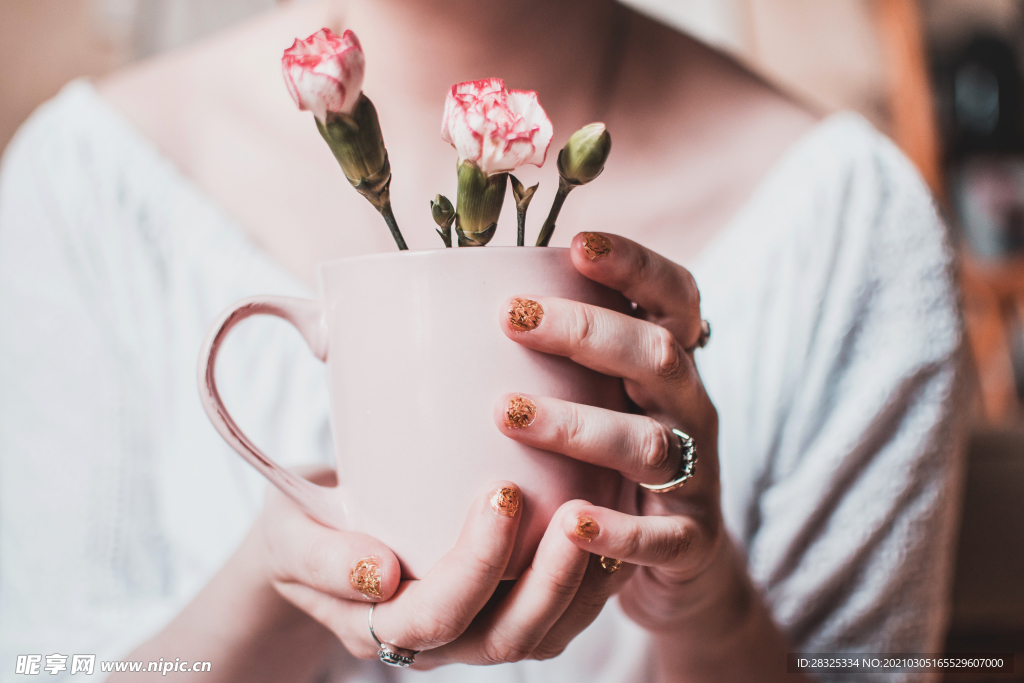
522	194
444	215
478	204
442	211
584	155
358	145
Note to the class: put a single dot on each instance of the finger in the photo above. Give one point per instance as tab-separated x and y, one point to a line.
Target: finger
640	448
603	579
680	544
603	340
648	355
437	609
539	597
665	290
342	564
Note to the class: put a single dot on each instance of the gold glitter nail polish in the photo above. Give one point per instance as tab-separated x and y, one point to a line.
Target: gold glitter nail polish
596	246
525	314
520	412
365	576
610	564
505	501
586	528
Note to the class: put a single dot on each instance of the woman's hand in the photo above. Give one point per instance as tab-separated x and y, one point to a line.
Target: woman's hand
677	536
458	612
679	577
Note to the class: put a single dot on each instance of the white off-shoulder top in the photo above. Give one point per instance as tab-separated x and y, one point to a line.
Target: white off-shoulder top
834	365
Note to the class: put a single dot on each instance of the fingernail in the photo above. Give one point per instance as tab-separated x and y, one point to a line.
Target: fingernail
525	314
586	528
610	564
365	576
596	246
505	501
520	412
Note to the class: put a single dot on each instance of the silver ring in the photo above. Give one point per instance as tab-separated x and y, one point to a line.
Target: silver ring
705	336
687	466
389	654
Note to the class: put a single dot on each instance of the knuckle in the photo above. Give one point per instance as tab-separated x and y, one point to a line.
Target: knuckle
656	451
581	327
668	360
674	546
643	265
315	559
573	427
562	582
633	542
483	565
429	630
501	651
691	290
545	652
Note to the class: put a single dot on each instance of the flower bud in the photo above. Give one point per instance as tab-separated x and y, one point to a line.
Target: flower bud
444	215
523	197
358	145
584	155
442	211
522	193
478	204
324	73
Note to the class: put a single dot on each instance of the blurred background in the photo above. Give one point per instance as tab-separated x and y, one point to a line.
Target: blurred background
942	77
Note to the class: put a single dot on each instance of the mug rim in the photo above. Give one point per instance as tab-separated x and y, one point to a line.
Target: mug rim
431	253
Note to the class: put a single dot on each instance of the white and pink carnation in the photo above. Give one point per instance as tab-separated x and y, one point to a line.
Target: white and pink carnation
324	73
499	130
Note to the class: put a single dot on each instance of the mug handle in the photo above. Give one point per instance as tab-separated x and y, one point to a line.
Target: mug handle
308	318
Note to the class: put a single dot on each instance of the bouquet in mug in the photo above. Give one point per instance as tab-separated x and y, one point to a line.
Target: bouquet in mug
493	129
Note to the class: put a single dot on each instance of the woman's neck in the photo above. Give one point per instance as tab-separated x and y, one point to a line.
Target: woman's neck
560	48
694	133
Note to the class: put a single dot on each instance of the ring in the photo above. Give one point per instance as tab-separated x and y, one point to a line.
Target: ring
390	654
702	340
687	466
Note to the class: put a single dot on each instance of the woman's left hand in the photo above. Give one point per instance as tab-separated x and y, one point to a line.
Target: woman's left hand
678	535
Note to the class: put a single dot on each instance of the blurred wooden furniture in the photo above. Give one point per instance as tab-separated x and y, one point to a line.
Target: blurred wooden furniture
912	123
993	293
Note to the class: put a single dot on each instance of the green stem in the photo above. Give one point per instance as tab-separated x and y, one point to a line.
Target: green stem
389	218
556	206
521	239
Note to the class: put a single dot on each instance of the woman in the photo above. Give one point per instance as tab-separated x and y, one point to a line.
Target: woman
821	515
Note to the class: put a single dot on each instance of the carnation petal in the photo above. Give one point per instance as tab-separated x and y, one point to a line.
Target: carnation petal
496	129
324	73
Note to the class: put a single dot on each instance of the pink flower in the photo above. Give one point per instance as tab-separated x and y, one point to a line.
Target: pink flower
324	73
497	129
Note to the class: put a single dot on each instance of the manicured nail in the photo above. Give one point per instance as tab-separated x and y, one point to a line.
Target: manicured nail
525	314
365	576
586	528
520	412
596	246
610	564
505	501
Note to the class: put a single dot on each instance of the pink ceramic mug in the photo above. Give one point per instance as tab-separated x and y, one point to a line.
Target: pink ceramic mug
417	361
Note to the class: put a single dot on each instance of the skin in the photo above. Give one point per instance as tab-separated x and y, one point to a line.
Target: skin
693	135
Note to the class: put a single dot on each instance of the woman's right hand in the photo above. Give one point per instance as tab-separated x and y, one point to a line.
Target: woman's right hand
449	614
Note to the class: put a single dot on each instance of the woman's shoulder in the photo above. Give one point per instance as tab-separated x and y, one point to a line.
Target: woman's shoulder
843	195
833	286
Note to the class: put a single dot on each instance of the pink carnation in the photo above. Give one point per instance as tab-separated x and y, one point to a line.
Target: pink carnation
497	129
324	73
